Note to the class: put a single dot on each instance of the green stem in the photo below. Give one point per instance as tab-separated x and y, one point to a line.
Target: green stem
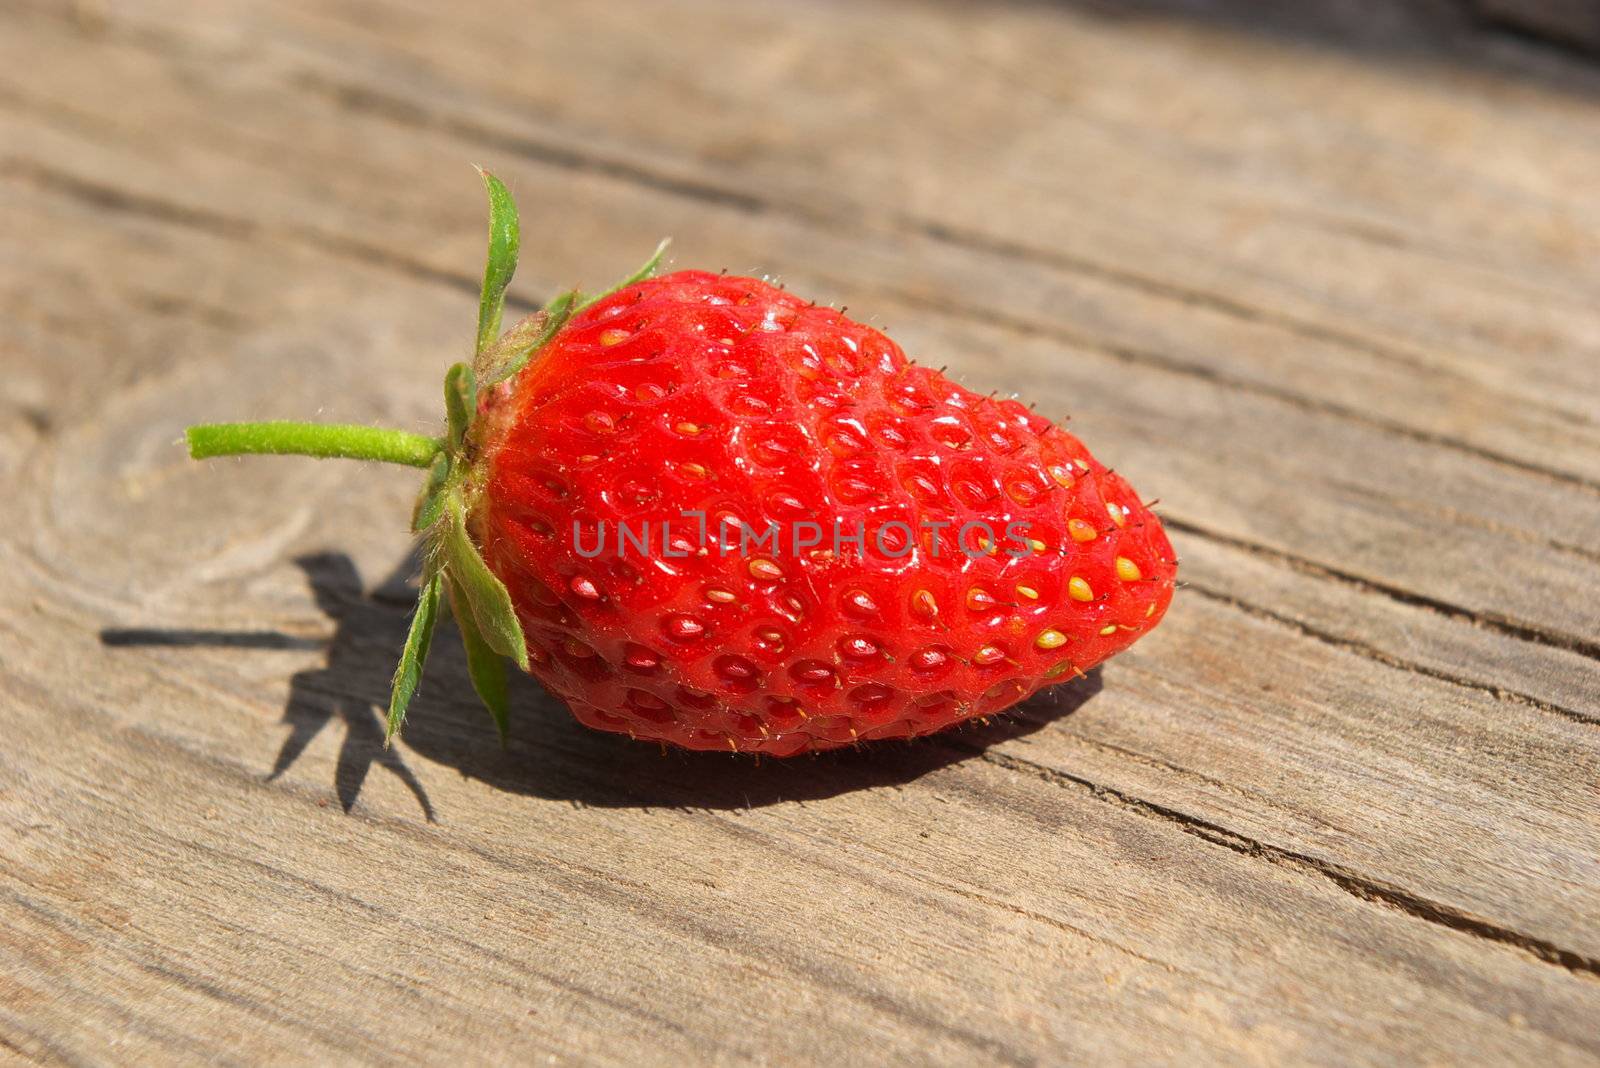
313	439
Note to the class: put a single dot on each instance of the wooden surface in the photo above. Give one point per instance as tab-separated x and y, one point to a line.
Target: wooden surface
1323	279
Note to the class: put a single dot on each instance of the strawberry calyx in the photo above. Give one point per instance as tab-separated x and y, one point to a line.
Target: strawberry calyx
453	570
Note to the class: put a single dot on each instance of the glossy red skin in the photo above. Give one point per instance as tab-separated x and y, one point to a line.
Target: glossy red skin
726	395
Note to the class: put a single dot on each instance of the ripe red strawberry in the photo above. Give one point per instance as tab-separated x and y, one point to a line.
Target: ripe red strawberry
705	511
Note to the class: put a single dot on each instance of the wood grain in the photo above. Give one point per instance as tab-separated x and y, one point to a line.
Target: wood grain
1332	301
1570	22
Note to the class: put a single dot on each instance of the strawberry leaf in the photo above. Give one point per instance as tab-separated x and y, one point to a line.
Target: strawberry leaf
487	598
487	667
504	240
413	657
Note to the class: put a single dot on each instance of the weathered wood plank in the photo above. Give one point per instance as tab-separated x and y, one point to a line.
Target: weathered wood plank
268	486
1322	837
1185	434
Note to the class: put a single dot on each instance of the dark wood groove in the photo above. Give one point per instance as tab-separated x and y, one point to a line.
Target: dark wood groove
1347	880
99	195
352	96
1497	622
1373	653
989	316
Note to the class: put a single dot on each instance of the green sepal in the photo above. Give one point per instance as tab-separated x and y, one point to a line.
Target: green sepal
487	597
414	657
511	353
504	240
460	403
514	346
646	270
430	502
556	313
487	667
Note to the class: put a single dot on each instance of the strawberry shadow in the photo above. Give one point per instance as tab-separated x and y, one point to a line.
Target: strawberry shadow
549	754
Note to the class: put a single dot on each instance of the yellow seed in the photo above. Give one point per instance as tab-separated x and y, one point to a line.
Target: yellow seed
1115	512
1050	639
1061	669
1022	492
690	429
1083	465
923	601
1081	530
1127	570
694	470
1150	611
1062	476
1036	545
1028	592
720	595
762	568
1079	590
989	654
612	336
1110	628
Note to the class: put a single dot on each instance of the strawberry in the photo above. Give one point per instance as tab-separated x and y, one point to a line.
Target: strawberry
704	511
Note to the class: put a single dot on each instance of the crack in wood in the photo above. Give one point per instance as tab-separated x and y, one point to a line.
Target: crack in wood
1494	621
354	97
1156	287
230	227
18	1051
989	316
1373	653
1079	932
1350	882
